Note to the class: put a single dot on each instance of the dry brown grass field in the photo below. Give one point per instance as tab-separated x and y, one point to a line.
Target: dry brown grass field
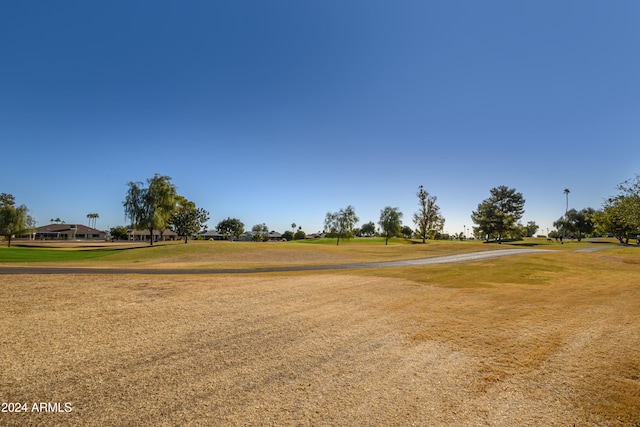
548	339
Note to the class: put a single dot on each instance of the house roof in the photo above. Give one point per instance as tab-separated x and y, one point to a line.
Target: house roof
67	228
210	233
155	232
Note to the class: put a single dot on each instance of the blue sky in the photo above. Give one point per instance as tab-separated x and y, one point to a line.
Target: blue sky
281	111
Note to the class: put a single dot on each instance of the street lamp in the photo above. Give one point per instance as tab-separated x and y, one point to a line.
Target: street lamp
566	213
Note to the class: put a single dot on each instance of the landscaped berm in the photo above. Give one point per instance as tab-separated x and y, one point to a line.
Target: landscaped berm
539	339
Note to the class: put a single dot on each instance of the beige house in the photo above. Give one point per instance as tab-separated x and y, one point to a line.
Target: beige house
68	232
158	236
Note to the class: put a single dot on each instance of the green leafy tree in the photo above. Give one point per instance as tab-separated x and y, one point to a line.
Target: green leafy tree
259	232
341	223
368	229
119	232
288	235
499	213
13	219
407	232
614	219
562	225
620	215
187	219
531	228
576	224
300	235
150	208
232	228
428	220
390	223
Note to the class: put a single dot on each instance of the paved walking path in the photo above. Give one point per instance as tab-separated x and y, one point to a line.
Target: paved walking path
449	259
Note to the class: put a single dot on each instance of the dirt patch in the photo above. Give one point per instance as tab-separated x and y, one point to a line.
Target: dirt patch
322	349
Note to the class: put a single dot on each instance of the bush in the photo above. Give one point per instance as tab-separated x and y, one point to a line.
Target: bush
288	235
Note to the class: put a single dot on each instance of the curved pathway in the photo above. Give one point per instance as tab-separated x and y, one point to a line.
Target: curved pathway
449	259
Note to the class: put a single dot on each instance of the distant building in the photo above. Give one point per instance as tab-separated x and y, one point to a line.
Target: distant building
158	236
275	236
248	236
68	232
211	235
315	235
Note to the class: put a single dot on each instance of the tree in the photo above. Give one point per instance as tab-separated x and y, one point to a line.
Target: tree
576	224
428	219
13	220
368	229
260	232
92	219
187	219
621	214
231	228
150	208
288	235
407	232
341	223
118	232
531	228
300	235
390	222
499	213
561	225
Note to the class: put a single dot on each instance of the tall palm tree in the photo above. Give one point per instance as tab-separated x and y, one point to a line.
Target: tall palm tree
92	219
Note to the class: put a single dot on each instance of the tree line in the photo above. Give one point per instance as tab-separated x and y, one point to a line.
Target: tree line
156	206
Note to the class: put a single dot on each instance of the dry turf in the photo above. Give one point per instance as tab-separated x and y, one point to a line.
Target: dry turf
532	340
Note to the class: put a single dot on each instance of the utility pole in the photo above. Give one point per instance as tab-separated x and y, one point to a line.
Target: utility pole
566	212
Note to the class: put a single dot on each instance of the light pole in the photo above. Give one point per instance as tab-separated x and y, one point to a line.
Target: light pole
566	212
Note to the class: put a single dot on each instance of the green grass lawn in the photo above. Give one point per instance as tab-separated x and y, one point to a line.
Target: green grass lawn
21	254
224	254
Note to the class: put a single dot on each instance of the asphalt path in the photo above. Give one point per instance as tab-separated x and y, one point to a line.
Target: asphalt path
449	259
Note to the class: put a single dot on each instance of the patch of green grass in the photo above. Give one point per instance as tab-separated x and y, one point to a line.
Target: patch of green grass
353	241
568	245
18	254
223	254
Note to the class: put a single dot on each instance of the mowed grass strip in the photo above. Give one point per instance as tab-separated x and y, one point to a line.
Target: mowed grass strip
240	255
546	339
39	255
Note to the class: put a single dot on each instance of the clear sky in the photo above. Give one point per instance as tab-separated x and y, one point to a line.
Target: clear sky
280	111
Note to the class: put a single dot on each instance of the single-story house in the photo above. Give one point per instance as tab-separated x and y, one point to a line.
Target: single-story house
68	232
315	235
215	235
275	236
158	236
272	236
211	235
